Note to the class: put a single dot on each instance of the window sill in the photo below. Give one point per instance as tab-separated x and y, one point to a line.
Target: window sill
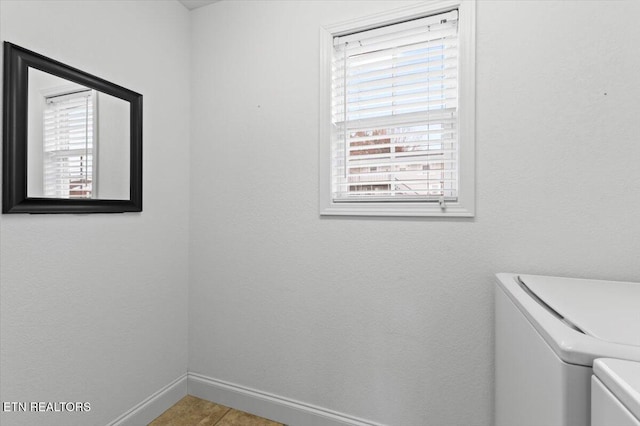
413	209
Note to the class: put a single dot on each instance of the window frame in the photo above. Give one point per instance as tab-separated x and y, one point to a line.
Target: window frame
465	204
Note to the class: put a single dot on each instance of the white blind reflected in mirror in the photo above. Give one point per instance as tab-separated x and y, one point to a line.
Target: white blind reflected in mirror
69	141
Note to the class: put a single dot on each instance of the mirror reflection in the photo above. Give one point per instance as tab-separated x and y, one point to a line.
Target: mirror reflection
78	141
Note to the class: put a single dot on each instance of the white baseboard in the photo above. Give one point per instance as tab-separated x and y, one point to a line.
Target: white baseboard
156	404
274	407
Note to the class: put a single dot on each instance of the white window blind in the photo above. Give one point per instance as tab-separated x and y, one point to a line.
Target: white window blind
394	93
69	145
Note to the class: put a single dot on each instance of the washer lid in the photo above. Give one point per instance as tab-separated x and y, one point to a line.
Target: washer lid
623	380
607	310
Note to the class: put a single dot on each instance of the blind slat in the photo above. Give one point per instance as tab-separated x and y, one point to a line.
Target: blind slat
428	69
425	51
407	137
400	162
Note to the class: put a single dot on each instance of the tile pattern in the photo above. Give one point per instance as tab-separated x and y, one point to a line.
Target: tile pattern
192	411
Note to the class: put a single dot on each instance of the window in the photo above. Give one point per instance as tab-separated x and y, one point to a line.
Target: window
397	113
69	144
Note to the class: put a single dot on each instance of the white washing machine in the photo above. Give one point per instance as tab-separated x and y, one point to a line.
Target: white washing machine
615	393
549	331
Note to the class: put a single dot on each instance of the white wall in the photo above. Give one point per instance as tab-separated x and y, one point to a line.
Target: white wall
391	319
111	327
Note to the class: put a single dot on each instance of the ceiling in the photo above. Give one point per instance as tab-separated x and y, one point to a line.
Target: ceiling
194	4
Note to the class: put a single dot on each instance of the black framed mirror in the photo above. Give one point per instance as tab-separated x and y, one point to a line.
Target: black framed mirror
72	142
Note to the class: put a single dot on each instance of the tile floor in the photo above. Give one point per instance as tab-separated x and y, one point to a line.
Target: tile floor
192	411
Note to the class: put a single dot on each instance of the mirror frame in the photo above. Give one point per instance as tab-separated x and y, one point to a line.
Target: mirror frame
17	61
